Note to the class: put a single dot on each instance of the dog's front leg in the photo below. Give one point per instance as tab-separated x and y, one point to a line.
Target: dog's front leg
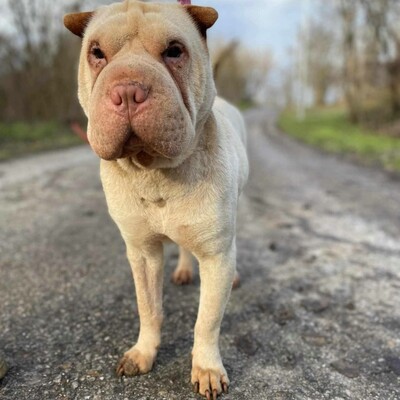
209	376
147	267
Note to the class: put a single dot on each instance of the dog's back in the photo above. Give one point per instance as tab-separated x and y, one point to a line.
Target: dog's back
234	134
233	114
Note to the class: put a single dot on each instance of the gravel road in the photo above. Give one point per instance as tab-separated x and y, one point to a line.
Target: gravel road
317	315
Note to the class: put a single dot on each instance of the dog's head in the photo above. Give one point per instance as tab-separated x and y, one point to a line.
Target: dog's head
145	79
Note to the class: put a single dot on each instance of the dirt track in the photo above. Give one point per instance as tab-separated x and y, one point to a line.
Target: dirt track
317	315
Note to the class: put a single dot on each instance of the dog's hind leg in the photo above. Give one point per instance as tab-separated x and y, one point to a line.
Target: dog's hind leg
183	274
236	280
147	267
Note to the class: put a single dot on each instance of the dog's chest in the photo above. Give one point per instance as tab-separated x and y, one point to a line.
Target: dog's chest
150	204
183	207
153	197
145	196
152	190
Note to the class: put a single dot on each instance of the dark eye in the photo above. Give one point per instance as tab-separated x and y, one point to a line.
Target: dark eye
97	52
175	50
96	57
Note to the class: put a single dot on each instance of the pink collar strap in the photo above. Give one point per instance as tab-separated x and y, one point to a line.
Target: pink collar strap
185	2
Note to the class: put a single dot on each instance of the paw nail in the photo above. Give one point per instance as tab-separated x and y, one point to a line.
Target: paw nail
208	395
196	387
215	394
225	388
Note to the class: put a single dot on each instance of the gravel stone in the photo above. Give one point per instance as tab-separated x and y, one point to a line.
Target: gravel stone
345	368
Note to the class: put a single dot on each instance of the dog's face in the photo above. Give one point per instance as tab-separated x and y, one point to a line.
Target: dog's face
145	80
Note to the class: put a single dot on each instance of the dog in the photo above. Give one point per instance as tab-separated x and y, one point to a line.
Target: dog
173	163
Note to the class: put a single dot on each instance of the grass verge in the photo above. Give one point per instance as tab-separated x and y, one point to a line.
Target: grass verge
21	138
330	130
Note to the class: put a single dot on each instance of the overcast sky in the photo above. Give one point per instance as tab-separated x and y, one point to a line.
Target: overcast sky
259	23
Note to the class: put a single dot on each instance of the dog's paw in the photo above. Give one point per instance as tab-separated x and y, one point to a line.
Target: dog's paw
210	382
134	362
182	277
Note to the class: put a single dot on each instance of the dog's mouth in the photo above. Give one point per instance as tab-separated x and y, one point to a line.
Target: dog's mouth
135	148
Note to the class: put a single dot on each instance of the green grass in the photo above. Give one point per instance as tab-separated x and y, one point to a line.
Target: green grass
244	105
20	138
330	130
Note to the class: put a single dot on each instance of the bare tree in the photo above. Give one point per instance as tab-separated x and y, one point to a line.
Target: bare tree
240	73
348	11
320	49
384	44
37	63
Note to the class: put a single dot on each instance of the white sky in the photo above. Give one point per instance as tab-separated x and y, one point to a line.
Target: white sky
271	24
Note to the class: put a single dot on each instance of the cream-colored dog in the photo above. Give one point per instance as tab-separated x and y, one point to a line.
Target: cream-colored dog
174	162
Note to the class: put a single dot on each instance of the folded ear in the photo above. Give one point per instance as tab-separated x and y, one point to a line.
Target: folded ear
77	22
204	17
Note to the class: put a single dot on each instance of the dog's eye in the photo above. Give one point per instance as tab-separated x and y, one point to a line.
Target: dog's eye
175	51
96	57
97	52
